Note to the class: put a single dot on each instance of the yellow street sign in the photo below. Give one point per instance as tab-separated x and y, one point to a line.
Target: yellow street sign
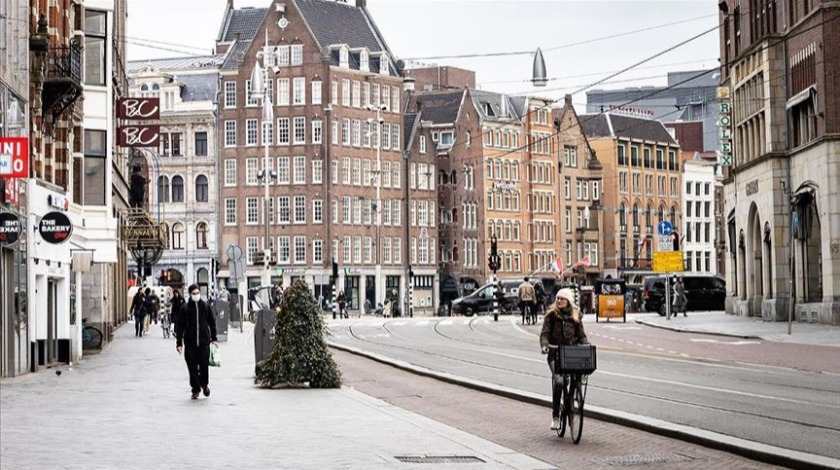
667	261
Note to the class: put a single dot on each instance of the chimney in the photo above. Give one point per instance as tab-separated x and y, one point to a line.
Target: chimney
408	84
567	100
503	107
361	3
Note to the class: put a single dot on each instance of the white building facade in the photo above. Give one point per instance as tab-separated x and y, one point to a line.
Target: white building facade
182	172
699	222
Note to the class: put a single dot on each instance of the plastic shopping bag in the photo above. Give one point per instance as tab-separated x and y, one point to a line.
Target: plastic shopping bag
215	356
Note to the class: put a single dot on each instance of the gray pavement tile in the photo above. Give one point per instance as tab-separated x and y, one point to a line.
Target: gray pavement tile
129	407
718	323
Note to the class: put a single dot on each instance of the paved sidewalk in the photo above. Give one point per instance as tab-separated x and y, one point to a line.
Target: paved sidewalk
129	407
719	323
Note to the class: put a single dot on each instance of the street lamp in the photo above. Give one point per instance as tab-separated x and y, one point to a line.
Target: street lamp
377	208
259	88
493	264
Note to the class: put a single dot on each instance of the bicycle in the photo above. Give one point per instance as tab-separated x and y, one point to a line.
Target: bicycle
91	336
571	383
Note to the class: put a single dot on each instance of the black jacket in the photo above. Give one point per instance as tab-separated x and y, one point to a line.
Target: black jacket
196	326
138	306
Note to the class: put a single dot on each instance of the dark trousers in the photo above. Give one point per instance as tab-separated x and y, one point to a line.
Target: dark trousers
557	384
138	325
528	307
198	358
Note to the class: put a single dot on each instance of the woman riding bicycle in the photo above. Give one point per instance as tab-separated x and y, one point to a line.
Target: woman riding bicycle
562	326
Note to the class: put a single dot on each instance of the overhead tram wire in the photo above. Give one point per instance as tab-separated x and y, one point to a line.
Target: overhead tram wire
563	46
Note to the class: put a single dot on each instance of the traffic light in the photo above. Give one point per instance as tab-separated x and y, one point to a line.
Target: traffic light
676	240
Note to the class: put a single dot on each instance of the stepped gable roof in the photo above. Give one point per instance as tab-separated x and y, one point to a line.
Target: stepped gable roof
440	107
628	127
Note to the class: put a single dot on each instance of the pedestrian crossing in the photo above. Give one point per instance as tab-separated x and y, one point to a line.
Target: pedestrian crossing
413	322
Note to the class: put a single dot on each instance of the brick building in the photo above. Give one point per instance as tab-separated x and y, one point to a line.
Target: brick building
781	195
337	102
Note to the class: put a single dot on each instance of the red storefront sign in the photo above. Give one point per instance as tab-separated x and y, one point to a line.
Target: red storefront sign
138	109
138	136
14	157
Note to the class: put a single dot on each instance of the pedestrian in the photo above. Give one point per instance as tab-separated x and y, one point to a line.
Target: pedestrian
368	307
149	310
138	310
342	305
195	331
539	293
526	300
680	301
562	326
177	304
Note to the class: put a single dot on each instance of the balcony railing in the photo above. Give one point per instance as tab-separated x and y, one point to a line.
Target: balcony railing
640	263
65	62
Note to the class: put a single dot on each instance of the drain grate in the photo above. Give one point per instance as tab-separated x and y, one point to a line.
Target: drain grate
644	459
438	459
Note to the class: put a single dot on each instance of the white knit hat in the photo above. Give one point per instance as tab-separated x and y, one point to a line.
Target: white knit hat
567	294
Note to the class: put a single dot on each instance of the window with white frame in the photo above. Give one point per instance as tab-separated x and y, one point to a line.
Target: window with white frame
317	251
230	133
298	91
283	131
300	209
283	170
282	56
317	211
395	100
386	174
397	250
347	209
283	250
386	96
283	92
299	175
251	248
230	211
357	249
345	170
252	211
395	137
300	249
230	172
317	171
230	94
251	169
375	95
422	144
267	132
357	133
300	130
368	211
345	92
334	211
357	211
345	131
357	94
316	91
357	171
317	133
297	54
250	132
386	250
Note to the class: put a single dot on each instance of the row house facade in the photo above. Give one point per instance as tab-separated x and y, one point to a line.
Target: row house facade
336	140
641	187
699	209
781	199
75	170
14	122
183	177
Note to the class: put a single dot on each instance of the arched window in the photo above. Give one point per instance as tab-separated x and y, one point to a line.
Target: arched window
177	189
144	87
674	215
202	189
202	277
661	213
201	236
453	177
178	236
635	215
648	220
622	215
155	87
163	189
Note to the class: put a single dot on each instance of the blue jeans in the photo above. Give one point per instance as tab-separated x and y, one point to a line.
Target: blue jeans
138	325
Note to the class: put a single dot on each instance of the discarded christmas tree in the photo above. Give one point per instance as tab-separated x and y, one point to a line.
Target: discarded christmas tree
300	355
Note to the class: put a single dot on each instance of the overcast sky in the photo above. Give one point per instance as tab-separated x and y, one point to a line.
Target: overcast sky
431	28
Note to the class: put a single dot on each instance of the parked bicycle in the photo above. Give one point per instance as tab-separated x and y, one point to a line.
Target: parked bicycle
91	336
570	380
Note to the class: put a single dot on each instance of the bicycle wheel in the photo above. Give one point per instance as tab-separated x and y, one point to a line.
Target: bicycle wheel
575	411
92	338
560	389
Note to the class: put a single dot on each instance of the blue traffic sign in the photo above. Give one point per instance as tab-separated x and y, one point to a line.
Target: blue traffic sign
665	228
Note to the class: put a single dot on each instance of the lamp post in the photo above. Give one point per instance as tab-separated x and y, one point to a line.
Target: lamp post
378	206
493	264
259	79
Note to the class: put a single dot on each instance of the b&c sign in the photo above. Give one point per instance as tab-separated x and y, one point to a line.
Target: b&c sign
10	228
14	157
55	227
138	135
139	109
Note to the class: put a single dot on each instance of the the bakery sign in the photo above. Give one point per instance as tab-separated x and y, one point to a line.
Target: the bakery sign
55	227
10	228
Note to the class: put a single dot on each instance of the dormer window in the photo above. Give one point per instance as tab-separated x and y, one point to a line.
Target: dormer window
383	64
488	109
344	58
364	61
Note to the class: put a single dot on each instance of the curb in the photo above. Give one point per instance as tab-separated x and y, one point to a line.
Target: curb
752	450
680	329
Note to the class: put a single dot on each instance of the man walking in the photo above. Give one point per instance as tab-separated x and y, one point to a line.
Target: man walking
527	298
138	310
195	330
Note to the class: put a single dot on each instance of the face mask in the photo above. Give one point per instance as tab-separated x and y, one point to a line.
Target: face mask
195	297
